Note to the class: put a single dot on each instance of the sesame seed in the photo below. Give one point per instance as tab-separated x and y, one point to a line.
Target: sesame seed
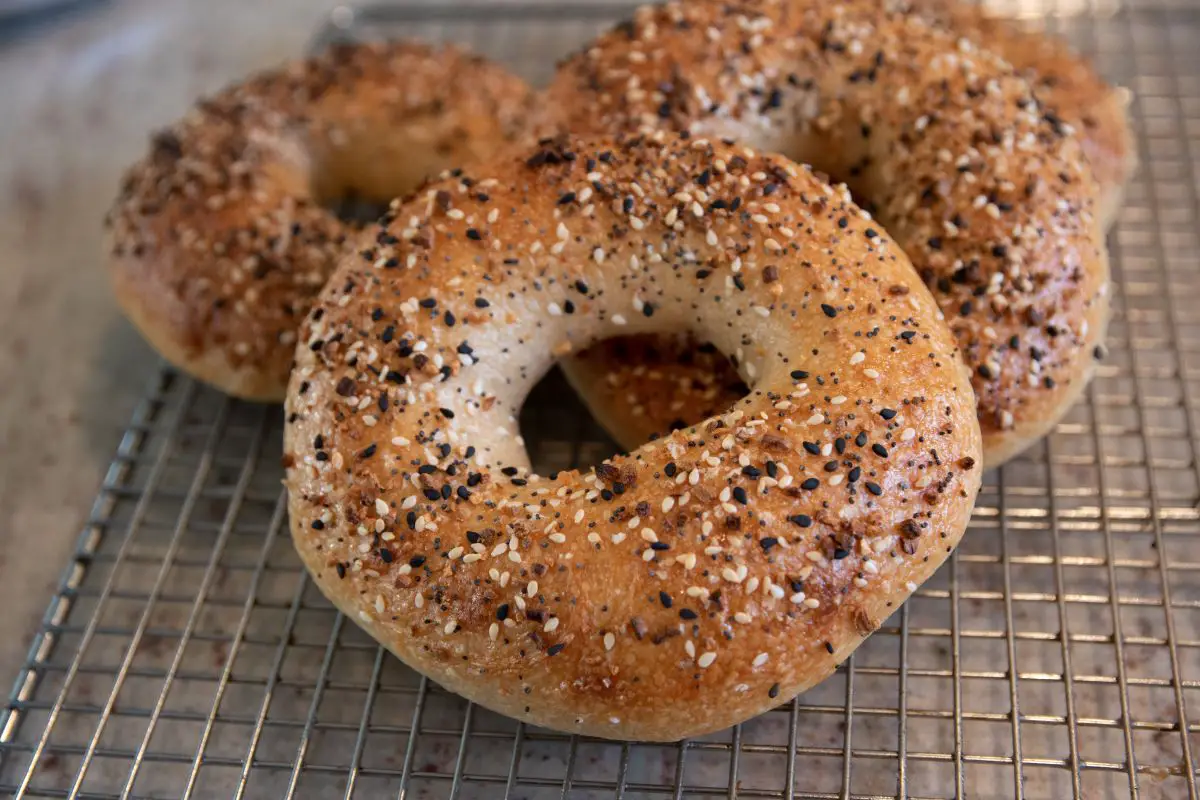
706	660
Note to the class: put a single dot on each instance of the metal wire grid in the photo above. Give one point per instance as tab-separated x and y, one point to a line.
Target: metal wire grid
1057	655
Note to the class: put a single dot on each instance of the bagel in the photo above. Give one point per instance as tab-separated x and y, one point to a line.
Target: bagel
987	192
1063	81
711	574
219	240
641	387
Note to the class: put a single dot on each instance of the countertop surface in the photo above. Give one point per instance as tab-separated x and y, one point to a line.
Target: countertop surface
82	88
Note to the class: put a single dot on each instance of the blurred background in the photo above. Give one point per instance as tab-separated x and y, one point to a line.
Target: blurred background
83	83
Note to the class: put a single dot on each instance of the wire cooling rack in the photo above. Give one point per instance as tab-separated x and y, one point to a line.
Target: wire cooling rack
1057	655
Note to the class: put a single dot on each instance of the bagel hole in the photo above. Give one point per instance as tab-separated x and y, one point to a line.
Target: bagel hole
356	209
698	380
717	387
359	178
559	431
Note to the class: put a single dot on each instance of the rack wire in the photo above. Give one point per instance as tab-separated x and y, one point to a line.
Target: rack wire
186	654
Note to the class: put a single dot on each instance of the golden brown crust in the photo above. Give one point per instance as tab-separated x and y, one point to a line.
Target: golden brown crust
219	240
642	387
987	191
706	577
1063	81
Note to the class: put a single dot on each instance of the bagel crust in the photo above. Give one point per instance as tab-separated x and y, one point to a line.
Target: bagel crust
988	192
219	240
711	574
1063	81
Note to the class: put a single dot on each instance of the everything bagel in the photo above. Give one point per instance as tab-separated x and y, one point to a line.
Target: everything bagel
219	239
1062	81
709	575
988	192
